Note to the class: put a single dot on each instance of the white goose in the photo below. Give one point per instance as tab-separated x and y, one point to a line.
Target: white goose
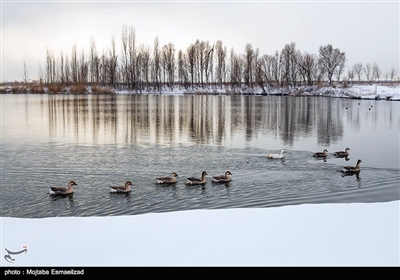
281	155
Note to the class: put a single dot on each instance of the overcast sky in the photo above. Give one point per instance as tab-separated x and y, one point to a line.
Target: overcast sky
365	31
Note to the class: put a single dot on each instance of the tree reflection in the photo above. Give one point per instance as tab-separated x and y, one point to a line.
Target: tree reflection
196	119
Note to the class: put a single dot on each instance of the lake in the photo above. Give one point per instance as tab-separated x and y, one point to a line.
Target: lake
103	140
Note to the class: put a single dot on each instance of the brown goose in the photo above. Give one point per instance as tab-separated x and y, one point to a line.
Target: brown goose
62	190
344	153
197	181
321	154
167	180
222	178
352	169
121	189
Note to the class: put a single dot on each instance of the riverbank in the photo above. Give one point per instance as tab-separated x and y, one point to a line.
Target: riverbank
378	91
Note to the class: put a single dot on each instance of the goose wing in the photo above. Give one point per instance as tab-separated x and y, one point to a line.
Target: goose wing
58	189
164	178
220	177
118	189
193	179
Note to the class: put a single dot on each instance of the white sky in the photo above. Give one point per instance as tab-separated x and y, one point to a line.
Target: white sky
344	234
365	31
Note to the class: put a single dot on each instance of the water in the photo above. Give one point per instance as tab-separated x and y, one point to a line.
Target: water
102	140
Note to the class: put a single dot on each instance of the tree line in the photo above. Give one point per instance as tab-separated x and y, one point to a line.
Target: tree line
138	67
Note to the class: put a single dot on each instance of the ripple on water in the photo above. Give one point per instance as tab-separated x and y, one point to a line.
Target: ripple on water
256	180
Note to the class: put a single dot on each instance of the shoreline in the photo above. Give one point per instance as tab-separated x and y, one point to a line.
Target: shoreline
376	91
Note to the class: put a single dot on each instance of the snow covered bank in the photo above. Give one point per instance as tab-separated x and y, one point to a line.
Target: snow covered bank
372	91
356	234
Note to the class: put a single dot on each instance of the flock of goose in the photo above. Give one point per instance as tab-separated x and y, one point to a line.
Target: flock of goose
225	178
346	169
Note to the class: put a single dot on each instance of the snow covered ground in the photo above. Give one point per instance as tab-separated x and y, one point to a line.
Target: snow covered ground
364	91
372	91
353	234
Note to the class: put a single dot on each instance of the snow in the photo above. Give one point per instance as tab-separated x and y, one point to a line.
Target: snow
365	91
352	234
378	91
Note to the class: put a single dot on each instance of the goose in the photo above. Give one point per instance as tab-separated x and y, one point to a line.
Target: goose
321	154
352	169
344	153
121	189
62	190
281	155
167	180
197	181
222	178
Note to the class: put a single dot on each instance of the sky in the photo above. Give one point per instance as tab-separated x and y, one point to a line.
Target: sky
366	31
344	234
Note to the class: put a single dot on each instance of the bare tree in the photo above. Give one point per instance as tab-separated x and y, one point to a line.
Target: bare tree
248	65
132	56
168	55
220	52
275	67
144	51
339	71
208	62
236	69
83	68
94	62
74	65
156	64
289	64
125	55
112	64
376	72
367	71
182	69
358	69
62	66
308	66
266	70
41	75
191	57
393	72
330	59
25	73
67	71
350	74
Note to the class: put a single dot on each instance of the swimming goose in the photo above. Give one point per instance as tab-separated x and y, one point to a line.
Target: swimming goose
62	190
197	181
344	153
222	178
281	155
321	154
352	169
167	180
121	189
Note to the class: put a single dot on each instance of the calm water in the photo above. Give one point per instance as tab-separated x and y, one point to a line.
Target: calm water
102	140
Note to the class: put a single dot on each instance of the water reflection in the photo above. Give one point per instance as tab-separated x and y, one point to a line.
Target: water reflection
98	139
197	119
